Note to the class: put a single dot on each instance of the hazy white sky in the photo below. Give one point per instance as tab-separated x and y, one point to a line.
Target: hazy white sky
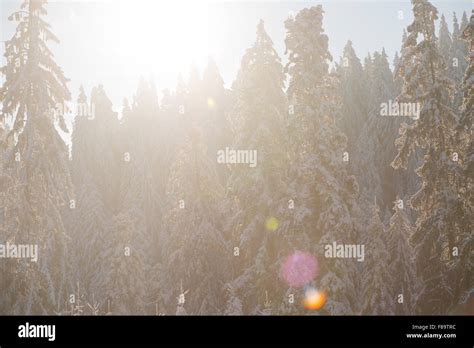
114	42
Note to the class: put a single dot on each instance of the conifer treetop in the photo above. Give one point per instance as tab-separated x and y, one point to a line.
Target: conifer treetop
33	81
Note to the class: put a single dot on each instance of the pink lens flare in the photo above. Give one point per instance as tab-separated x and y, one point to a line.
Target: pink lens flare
299	269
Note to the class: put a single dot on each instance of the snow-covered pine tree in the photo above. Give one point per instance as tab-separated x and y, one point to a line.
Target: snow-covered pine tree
88	222
323	192
396	62
217	102
445	43
170	131
354	97
11	270
396	79
195	253
125	279
34	86
465	122
174	117
459	57
464	261
98	151
378	133
406	181
139	160
464	23
107	156
140	179
377	299
401	266
80	139
426	84
368	69
259	224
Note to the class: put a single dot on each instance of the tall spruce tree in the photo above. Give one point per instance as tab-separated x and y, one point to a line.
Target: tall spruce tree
464	261
195	253
406	181
11	270
125	278
140	181
445	43
401	265
459	55
259	191
377	299
354	95
378	133
426	84
323	191
217	105
108	155
88	222
34	87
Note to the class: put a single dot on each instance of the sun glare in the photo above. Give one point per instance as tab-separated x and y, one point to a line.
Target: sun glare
156	35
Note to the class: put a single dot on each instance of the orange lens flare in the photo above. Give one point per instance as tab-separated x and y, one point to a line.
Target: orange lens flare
314	299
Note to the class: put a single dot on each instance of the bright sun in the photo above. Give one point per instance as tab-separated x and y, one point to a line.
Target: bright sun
160	35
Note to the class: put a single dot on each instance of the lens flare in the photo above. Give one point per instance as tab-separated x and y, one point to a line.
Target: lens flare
211	104
299	269
314	299
271	224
